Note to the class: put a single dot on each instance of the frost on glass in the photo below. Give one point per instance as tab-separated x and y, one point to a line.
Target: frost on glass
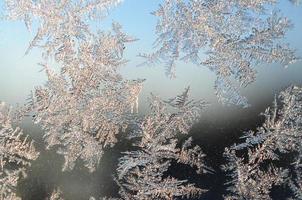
296	184
56	195
281	134
231	38
52	21
16	153
87	103
104	198
140	173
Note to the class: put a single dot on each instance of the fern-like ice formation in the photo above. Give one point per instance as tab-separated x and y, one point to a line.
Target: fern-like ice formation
295	184
140	173
231	38
87	103
56	20
281	133
16	152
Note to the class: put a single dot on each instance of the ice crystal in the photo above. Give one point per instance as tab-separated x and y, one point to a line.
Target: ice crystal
141	172
248	181
280	134
56	195
16	152
295	182
235	35
56	20
87	103
134	90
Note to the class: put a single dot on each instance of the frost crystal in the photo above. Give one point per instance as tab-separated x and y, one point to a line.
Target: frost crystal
86	103
83	107
57	20
295	184
280	134
56	195
141	172
16	152
134	91
248	181
235	35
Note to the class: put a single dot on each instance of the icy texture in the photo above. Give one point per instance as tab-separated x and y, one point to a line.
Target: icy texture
281	133
140	173
236	36
87	103
56	195
53	22
16	152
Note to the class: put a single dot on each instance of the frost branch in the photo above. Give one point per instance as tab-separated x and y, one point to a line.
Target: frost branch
235	36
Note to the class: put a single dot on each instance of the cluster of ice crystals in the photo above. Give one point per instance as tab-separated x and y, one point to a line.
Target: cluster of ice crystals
86	102
280	134
56	195
83	107
235	36
16	152
140	173
53	21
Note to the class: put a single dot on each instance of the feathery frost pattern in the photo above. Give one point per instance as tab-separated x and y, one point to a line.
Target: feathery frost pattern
16	152
57	19
280	134
56	195
83	107
140	173
86	102
235	35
